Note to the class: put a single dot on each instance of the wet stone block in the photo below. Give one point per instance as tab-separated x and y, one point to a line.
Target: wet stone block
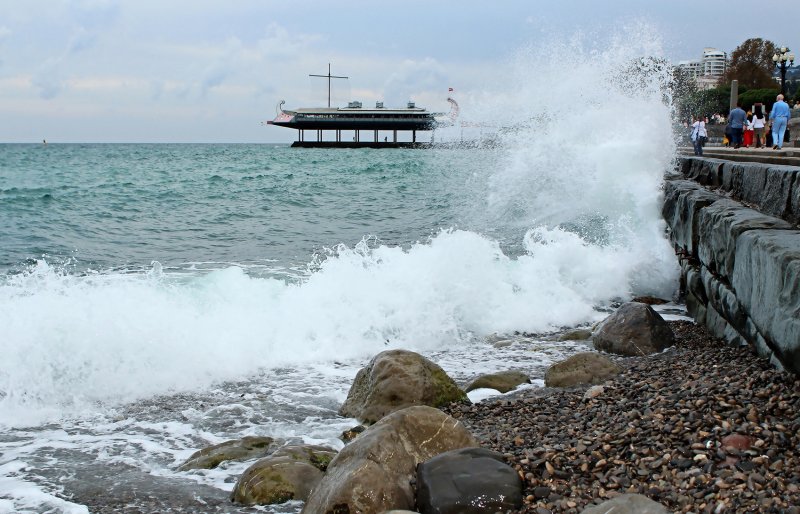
766	278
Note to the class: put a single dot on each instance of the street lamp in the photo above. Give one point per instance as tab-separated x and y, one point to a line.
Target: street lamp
780	61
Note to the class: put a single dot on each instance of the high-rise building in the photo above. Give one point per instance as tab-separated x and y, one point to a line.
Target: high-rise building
708	70
715	62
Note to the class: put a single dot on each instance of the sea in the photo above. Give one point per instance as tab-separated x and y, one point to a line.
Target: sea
156	299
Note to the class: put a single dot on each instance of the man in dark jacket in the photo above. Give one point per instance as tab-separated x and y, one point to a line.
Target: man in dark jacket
736	120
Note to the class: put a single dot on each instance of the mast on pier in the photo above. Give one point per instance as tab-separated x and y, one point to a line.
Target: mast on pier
329	77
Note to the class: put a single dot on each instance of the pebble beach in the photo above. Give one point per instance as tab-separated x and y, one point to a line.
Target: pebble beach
700	427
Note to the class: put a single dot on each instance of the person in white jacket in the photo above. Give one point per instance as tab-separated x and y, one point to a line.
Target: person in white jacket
699	135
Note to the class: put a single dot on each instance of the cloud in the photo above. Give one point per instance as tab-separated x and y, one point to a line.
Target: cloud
94	13
80	40
47	80
414	77
223	66
5	32
278	42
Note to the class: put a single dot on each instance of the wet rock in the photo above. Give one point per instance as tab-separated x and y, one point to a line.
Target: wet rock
467	481
274	480
660	428
246	448
634	329
374	472
593	392
737	442
288	474
316	455
650	300
578	334
396	379
627	504
502	381
350	434
581	368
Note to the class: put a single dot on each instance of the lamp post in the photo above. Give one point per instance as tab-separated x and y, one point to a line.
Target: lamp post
780	60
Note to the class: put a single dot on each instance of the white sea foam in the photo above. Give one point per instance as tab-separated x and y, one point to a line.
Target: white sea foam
70	342
577	181
574	192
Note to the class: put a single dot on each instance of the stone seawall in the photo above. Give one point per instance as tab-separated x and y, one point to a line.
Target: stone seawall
734	228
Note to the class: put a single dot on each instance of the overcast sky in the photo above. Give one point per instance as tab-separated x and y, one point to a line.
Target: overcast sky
212	71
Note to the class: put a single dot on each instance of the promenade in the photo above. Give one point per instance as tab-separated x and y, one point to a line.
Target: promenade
789	156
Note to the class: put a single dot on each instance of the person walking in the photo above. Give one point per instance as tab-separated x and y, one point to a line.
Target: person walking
780	118
759	121
698	135
748	130
736	120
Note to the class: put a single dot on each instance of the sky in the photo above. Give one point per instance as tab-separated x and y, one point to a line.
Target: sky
213	71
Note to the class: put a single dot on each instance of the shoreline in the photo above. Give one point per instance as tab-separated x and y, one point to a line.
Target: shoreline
661	428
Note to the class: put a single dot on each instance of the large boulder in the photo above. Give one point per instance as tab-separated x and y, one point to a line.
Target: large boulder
627	504
246	448
635	329
468	481
374	472
394	380
288	474
581	368
503	381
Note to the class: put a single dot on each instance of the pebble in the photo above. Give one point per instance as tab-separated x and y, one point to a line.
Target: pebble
705	427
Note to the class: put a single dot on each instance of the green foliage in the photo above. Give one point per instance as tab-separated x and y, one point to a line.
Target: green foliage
752	96
705	102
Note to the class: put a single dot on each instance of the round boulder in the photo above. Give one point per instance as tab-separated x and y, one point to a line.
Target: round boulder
468	481
374	472
581	368
394	380
503	381
246	448
288	474
635	329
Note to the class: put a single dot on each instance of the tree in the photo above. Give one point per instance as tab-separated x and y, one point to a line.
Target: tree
751	64
765	96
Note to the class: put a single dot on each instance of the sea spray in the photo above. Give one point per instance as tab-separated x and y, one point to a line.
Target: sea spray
197	293
585	137
560	218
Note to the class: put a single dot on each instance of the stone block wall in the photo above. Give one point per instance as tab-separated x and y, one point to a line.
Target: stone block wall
734	228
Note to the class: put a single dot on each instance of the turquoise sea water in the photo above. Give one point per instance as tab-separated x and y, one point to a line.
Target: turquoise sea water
117	206
157	299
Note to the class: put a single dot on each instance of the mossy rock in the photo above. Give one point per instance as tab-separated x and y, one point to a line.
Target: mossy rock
317	456
246	448
503	381
394	380
288	474
274	480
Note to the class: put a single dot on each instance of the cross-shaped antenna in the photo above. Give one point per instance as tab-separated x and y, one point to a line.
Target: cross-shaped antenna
329	77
